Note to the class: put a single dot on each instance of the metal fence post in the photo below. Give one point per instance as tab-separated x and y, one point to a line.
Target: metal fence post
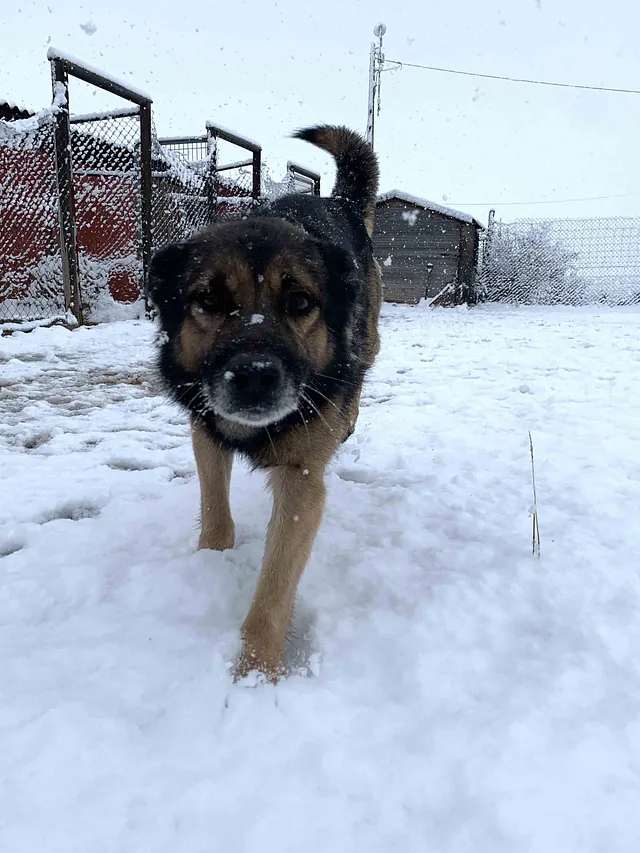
312	178
211	177
64	178
146	189
257	170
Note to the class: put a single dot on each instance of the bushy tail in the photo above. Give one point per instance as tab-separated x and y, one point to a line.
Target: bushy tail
357	166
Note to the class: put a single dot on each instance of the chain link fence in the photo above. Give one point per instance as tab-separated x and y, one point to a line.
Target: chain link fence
181	199
106	158
561	262
31	284
87	198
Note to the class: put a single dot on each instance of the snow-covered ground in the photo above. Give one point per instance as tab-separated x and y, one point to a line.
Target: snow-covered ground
455	694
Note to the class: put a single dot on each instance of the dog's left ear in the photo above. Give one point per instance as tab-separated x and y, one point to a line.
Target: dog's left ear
168	283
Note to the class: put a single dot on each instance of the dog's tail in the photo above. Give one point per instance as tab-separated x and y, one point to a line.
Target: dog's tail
357	166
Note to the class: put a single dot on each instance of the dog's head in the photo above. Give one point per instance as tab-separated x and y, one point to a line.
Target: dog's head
252	310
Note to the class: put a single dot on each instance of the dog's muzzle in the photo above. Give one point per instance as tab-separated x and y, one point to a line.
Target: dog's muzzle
254	390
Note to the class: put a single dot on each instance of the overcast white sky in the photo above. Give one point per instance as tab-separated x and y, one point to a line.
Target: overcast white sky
265	67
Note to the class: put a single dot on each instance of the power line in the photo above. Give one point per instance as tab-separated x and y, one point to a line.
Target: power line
515	79
539	201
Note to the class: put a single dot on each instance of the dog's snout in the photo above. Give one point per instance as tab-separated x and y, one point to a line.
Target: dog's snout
254	378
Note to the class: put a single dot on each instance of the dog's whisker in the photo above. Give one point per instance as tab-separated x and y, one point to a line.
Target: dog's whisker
187	387
273	447
324	397
334	379
306	427
317	411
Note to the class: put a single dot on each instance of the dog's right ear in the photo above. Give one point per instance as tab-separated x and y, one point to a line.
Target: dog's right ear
168	283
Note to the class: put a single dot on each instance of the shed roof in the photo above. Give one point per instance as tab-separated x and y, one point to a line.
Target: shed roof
10	110
425	204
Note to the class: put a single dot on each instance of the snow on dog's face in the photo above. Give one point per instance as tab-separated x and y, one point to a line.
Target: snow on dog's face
244	308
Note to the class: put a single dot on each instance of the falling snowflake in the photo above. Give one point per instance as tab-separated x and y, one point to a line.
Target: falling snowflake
410	216
387	261
89	28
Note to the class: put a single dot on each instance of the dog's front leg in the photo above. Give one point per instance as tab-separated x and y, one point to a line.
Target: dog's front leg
298	502
214	465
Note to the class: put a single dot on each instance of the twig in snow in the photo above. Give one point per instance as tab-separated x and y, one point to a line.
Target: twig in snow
535	538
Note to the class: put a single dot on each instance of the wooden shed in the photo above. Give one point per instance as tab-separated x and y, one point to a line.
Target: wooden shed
425	250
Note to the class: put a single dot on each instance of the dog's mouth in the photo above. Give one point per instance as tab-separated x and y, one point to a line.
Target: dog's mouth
253	390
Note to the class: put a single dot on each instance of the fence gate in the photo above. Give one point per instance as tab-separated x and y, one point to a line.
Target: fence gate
103	170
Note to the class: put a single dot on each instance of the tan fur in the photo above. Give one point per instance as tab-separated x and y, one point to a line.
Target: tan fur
298	503
297	461
370	222
200	331
214	465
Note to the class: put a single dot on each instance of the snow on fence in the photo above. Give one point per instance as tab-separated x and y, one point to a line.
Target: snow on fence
31	284
561	262
193	182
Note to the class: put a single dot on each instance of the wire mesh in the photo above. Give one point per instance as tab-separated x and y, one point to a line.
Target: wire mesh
562	262
106	183
31	286
181	190
191	187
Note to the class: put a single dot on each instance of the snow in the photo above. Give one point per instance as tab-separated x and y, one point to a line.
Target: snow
14	105
216	126
410	216
428	205
256	319
56	53
454	695
89	28
107	114
16	134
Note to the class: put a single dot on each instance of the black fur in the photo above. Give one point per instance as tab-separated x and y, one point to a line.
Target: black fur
357	167
334	236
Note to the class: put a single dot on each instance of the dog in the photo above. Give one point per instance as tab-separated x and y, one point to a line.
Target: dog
269	325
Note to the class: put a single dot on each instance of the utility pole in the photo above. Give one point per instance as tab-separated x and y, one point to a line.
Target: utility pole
376	63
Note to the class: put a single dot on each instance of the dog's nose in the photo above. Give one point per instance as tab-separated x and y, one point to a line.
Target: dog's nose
254	378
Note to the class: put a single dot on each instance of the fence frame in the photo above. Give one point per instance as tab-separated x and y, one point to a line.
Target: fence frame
215	132
62	67
297	171
212	154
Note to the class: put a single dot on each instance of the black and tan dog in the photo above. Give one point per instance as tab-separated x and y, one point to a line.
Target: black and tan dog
270	324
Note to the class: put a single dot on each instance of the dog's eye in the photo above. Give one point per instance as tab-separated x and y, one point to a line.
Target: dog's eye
216	299
297	303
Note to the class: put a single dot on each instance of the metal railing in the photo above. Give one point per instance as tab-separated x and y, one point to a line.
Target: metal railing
301	175
87	198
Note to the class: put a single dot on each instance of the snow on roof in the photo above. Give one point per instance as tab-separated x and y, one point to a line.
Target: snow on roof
14	105
428	205
21	133
55	53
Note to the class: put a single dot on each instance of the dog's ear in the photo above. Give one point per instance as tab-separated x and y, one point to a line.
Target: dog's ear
168	283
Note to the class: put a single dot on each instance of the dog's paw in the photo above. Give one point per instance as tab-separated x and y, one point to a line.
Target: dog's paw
220	538
265	662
